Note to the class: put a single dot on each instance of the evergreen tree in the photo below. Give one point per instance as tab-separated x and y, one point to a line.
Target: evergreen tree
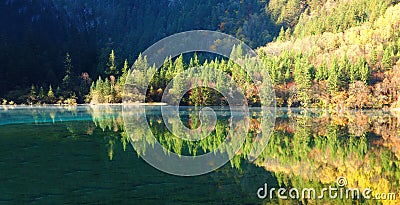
322	73
68	64
177	87
343	72
302	78
41	95
374	57
354	75
224	67
125	68
178	83
140	71
112	68
58	91
50	95
106	89
287	75
387	61
97	95
288	33
237	52
179	65
364	72
333	78
125	73
32	98
194	62
281	36
67	81
169	69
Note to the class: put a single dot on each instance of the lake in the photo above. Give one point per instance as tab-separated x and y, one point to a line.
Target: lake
93	155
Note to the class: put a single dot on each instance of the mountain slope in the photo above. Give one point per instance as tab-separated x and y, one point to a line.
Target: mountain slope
355	67
37	34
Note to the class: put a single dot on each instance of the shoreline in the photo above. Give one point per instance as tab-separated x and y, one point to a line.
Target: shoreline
144	104
88	104
396	109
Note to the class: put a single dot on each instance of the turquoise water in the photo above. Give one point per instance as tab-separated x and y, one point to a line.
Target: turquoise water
68	161
81	155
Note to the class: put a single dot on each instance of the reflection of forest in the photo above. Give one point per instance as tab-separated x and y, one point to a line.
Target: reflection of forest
361	146
306	148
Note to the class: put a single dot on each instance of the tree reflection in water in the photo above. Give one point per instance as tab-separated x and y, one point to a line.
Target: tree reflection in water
307	148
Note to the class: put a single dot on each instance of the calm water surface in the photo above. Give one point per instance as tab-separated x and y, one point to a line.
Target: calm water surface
82	155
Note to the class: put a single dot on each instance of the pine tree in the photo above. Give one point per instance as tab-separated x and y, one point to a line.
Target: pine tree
169	69
68	64
41	94
178	83
237	52
322	73
106	88
97	94
343	72
177	87
126	67
179	65
288	33
364	72
281	36
50	95
224	67
194	62
354	75
112	68
32	98
374	57
125	72
58	91
387	61
302	78
333	78
67	81
287	74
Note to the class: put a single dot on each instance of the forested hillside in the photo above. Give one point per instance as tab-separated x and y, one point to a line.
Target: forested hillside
337	54
329	54
36	35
